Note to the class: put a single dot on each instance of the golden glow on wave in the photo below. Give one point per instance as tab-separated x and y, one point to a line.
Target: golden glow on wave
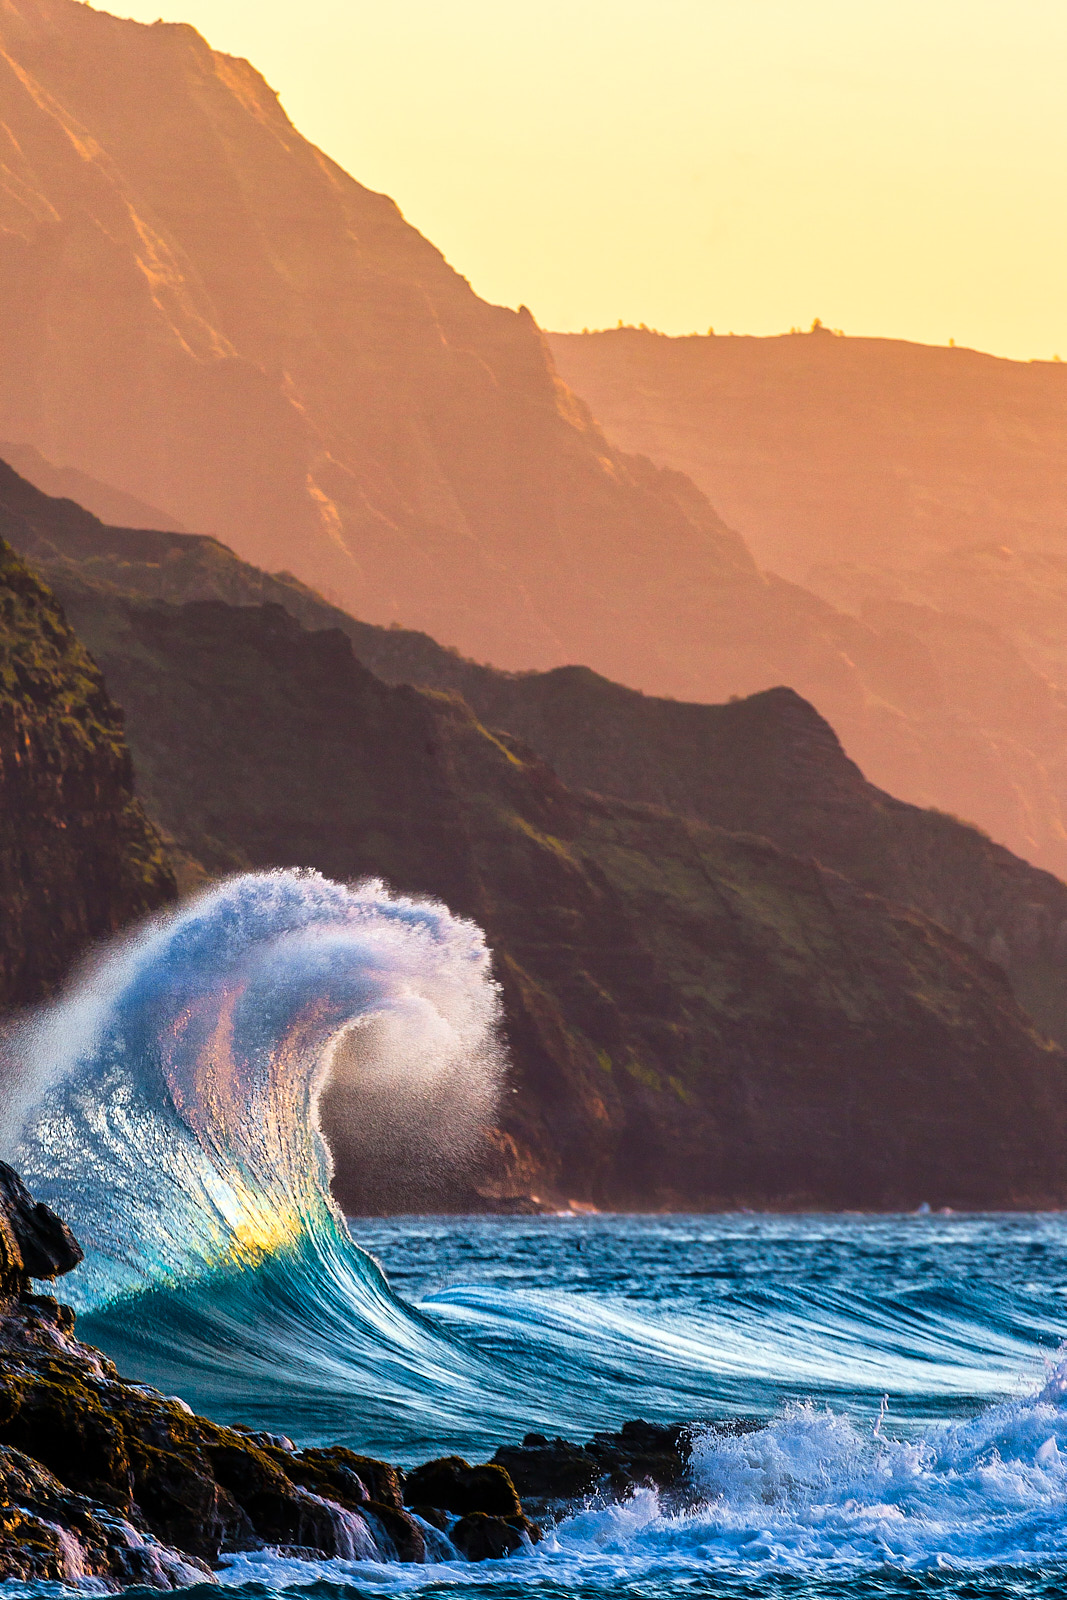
258	1229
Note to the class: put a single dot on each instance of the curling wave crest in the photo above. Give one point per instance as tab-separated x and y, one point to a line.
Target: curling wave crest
168	1107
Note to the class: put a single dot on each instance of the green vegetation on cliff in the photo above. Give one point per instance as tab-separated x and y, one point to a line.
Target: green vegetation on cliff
700	1010
78	857
768	764
695	1016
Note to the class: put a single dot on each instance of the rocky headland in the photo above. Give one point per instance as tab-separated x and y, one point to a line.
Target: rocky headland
105	1479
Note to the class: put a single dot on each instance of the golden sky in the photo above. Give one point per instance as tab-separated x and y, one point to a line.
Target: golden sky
895	167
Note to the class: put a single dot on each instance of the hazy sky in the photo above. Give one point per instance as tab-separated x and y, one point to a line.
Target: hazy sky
894	167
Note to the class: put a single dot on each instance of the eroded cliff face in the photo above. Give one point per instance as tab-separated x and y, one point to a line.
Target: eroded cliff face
199	308
695	1017
78	857
768	764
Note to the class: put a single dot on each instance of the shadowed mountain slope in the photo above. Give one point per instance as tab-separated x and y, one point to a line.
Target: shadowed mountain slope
110	505
696	1017
921	490
78	858
199	308
768	765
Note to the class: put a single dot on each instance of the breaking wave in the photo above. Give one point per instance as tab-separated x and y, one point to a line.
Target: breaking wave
168	1107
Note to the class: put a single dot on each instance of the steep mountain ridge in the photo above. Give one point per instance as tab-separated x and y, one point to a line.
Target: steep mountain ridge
768	765
201	309
695	1017
206	312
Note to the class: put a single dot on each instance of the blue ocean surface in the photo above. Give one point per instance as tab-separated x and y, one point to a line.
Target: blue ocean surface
914	1438
904	1373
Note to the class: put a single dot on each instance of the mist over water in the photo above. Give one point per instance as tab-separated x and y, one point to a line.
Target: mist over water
168	1107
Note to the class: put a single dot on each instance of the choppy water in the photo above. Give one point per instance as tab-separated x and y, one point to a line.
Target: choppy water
915	1427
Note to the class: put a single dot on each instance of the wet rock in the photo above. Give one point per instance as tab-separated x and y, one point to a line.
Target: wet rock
434	1516
190	1509
549	1469
48	1533
346	1476
188	1483
479	1537
115	1482
549	1472
546	1471
34	1242
454	1485
398	1534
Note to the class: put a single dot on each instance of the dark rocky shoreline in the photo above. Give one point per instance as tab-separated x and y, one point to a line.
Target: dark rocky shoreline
112	1480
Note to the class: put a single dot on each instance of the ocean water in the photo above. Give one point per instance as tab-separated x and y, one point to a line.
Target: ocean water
905	1372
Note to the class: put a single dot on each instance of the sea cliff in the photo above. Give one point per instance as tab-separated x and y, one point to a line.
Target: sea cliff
79	859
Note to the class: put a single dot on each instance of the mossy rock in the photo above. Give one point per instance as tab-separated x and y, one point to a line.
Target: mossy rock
345	1476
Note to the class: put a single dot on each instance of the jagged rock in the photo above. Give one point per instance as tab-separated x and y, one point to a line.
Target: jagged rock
345	1476
549	1470
434	1516
480	1537
35	1242
112	1481
47	1533
402	1534
452	1484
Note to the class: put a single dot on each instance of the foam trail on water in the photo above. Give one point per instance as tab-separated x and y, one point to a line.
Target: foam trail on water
812	1492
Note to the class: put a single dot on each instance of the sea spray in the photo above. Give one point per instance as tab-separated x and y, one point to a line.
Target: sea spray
169	1108
813	1492
169	1102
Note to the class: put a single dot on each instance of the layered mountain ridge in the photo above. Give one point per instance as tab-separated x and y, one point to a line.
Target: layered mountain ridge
920	490
697	1016
768	765
823	448
201	311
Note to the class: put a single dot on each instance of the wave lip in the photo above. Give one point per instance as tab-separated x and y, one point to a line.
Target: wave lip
168	1108
170	1100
